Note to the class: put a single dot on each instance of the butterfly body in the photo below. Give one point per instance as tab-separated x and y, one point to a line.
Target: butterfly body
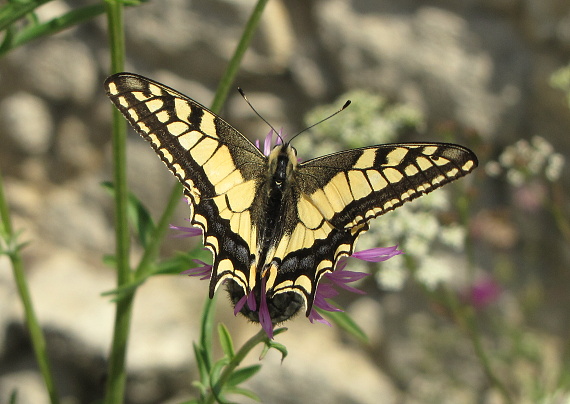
276	226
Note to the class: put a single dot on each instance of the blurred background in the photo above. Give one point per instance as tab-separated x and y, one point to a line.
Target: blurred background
474	72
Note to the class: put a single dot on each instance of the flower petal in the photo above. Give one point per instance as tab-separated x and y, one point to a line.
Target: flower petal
187	231
342	278
377	254
315	316
267	144
251	303
264	317
205	270
239	305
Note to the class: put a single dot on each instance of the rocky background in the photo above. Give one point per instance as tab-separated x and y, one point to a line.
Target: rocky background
482	66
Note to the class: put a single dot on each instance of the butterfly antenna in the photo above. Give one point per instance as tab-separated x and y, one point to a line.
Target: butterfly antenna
346	104
257	113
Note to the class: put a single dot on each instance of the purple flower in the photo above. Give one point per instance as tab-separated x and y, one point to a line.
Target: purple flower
482	293
268	142
251	303
340	278
264	317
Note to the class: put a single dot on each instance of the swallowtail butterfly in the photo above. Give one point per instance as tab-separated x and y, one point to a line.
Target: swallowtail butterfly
271	223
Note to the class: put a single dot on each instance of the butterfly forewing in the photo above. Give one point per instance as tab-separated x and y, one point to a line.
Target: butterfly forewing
354	186
219	168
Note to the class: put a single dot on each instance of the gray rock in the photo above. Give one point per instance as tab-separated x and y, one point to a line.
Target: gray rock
27	120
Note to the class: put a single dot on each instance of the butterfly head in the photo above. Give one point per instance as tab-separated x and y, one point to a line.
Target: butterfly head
282	162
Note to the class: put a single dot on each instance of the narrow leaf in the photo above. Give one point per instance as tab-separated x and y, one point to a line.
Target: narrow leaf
206	331
217	370
226	341
241	375
243	392
202	369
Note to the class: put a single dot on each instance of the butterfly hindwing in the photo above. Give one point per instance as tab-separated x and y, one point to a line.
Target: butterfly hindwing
219	168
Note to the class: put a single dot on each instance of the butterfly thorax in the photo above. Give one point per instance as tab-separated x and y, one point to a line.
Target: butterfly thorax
275	194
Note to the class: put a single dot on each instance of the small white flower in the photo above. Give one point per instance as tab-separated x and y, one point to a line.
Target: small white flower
433	271
453	236
542	145
554	166
392	275
493	169
515	177
416	245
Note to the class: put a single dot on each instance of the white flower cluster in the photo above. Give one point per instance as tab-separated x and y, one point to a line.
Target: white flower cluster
525	160
417	228
369	120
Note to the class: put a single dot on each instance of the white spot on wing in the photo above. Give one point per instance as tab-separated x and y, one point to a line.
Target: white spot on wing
183	110
393	175
207	125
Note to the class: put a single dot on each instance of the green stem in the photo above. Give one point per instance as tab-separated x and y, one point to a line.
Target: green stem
36	334
116	378
234	363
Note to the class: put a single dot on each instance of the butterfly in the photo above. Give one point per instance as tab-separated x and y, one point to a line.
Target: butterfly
274	225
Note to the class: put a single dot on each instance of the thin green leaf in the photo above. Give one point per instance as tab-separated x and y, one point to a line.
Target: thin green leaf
37	30
202	369
14	10
183	261
275	345
241	375
226	341
243	392
8	38
138	215
206	331
110	260
125	290
344	321
217	370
